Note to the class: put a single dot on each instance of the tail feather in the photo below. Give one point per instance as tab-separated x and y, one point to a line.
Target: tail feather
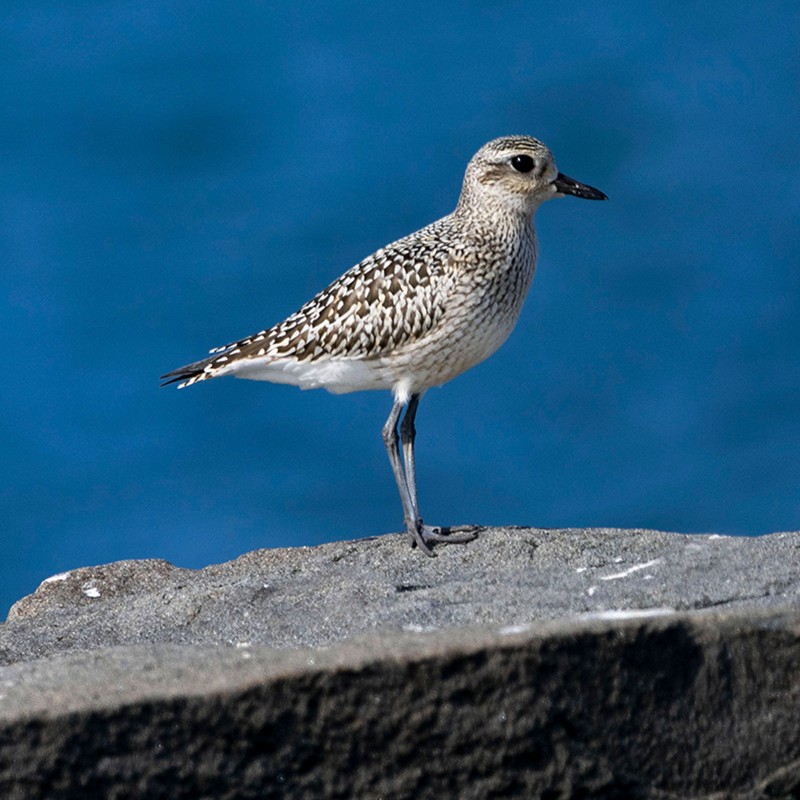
191	373
214	364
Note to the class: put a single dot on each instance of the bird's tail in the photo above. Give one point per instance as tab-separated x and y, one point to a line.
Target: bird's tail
192	373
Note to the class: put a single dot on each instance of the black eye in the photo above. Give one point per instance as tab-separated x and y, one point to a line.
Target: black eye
522	163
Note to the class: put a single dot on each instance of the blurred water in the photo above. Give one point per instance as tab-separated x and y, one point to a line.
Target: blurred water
176	175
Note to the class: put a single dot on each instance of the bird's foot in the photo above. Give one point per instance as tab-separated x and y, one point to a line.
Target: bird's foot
423	536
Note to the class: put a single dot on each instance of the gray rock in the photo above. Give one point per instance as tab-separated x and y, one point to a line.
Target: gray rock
530	663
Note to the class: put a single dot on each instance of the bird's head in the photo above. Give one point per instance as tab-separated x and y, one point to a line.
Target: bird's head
518	173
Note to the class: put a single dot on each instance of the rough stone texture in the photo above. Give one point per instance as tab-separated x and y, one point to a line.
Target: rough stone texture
529	663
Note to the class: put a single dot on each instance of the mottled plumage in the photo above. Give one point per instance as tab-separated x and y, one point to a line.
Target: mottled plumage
419	311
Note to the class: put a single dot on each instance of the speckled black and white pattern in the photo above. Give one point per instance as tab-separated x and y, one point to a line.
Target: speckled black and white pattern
421	310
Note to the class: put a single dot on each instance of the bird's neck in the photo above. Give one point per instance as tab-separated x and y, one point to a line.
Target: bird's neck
495	215
495	205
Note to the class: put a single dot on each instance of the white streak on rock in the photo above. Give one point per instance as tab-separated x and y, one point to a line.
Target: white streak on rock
510	630
628	613
630	570
62	576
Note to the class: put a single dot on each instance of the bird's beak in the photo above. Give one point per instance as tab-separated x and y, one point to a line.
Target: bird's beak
566	185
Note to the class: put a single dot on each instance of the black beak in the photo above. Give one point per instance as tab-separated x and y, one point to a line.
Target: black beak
565	185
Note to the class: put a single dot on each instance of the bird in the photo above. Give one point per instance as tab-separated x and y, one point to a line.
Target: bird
418	312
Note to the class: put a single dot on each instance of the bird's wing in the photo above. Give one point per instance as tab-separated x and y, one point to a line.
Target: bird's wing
392	297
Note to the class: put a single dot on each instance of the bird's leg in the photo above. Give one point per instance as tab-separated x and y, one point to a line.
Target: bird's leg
391	440
421	534
407	434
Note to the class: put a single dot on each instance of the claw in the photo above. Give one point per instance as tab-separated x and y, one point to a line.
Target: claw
423	536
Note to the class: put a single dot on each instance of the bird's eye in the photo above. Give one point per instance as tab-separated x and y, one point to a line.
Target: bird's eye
522	163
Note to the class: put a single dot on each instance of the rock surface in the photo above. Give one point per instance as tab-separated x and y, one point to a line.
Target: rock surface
530	663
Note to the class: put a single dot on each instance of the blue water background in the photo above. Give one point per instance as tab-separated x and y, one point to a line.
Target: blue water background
179	174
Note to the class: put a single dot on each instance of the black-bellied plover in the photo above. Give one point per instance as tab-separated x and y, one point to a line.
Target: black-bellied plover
417	312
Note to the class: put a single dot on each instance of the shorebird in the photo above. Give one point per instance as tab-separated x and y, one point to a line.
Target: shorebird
418	312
